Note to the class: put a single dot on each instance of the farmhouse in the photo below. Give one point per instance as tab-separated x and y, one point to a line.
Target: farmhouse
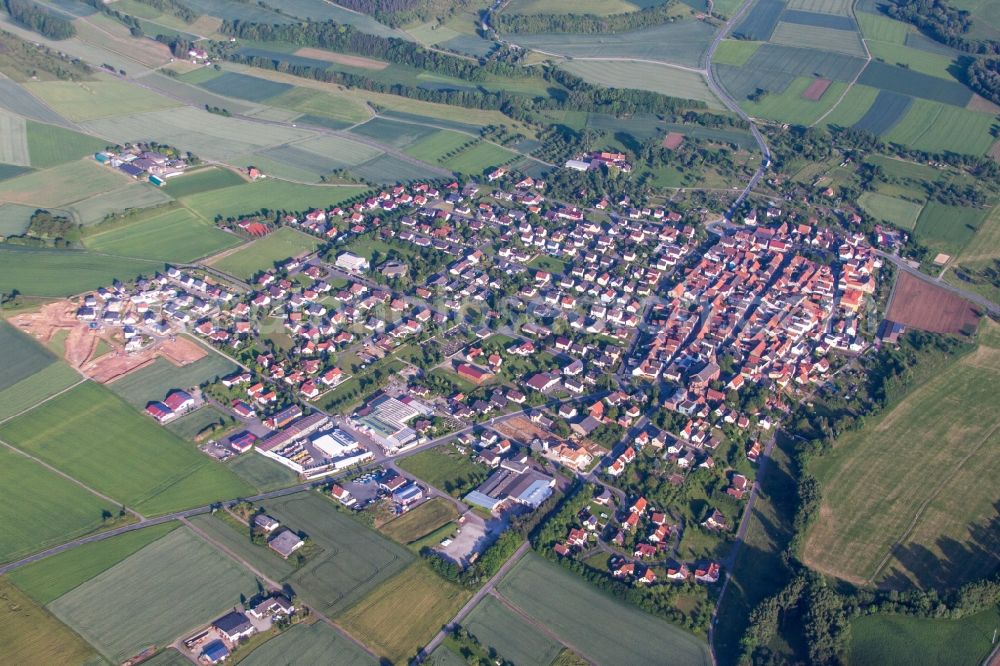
285	543
276	605
234	626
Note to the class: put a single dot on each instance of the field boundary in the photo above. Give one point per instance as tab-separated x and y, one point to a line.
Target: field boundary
850	84
538	625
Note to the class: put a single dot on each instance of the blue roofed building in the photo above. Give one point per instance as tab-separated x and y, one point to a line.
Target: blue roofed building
215	652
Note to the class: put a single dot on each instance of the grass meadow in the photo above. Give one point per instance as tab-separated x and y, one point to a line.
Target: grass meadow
33	389
35	272
262	254
600	627
31	635
309	644
479	158
878	487
937	127
421	521
51	145
175	236
899	212
498	627
735	52
20	355
153	381
271	194
791	107
262	473
89	100
645	76
445	468
202	180
13	140
133	195
853	107
63	184
150	598
48	579
948	229
898	640
434	147
401	615
99	439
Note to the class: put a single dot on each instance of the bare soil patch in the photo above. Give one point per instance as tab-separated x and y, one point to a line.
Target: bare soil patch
522	429
108	368
978	103
922	305
673	141
816	89
342	59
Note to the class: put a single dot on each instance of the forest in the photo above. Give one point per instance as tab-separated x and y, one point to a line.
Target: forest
584	23
942	22
42	21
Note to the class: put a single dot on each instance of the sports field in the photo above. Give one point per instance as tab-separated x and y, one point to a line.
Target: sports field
401	615
420	521
50	145
151	598
63	184
645	76
593	624
88	100
33	389
898	640
496	626
261	255
915	477
30	635
99	439
309	644
899	212
48	579
64	272
20	356
175	236
271	194
354	561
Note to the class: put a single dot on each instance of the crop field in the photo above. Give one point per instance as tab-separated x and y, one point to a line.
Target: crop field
819	20
152	382
30	635
192	94
434	147
309	644
42	508
202	180
402	614
261	473
61	185
261	558
933	64
597	626
388	169
243	86
51	145
940	127
479	158
928	307
13	140
948	229
37	272
171	585
271	194
175	235
20	356
907	528
342	108
759	23
645	76
853	107
15	98
89	100
48	579
496	626
420	521
92	435
233	10
31	390
773	67
885	112
735	52
792	106
898	640
838	7
847	42
879	28
15	218
681	43
595	7
987	245
899	212
354	561
392	132
133	196
909	82
262	254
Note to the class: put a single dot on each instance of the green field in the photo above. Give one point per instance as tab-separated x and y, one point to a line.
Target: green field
937	127
595	7
434	147
898	640
832	40
479	158
13	140
853	106
599	627
31	390
309	644
175	236
132	196
42	509
99	439
444	467
919	61
63	184
153	381
980	254
48	579
876	488
271	194
261	255
20	356
138	602
791	107
899	212
261	558
645	76
882	28
401	615
496	626
354	561
64	272
30	635
88	100
948	229
189	425
202	180
262	473
50	145
421	521
735	51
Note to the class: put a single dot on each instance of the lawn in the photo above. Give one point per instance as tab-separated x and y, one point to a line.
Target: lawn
151	598
445	468
63	184
261	558
261	255
936	127
948	229
879	487
30	635
64	272
355	559
496	626
202	180
175	236
31	390
96	437
50	145
421	521
898	640
262	473
153	381
20	356
403	614
88	100
597	626
309	644
899	212
48	579
42	509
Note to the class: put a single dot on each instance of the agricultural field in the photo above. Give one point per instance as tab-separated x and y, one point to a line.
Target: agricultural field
393	132
61	185
51	145
31	390
48	579
97	438
596	7
80	101
261	558
244	86
309	644
403	613
792	106
37	272
645	76
938	127
174	236
884	113
496	626
445	468
982	253
13	140
879	28
202	180
152	382
597	626
933	64
21	356
434	147
479	158
832	40
948	229
853	107
934	530
355	559
42	509
898	640
135	603
899	212
261	473
133	196
735	52
421	521
270	194
262	254
30	635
